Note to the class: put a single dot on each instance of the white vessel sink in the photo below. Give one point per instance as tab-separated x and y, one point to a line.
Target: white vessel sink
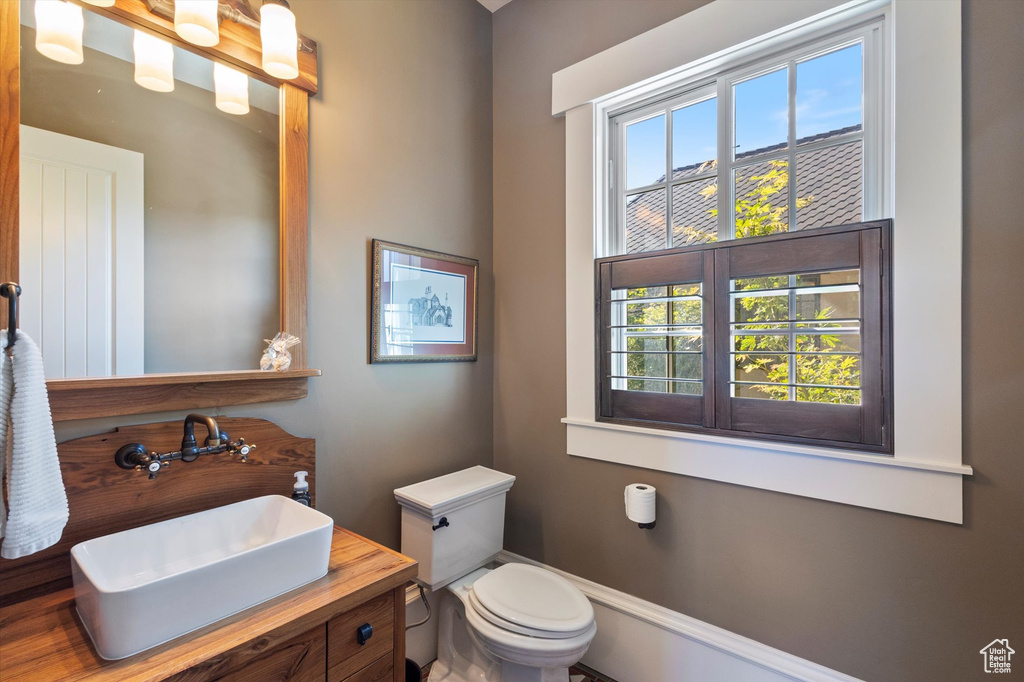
148	585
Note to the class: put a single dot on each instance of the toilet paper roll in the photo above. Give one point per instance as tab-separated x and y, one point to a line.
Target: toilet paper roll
640	499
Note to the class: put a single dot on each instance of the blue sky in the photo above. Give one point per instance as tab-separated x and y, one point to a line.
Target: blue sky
828	97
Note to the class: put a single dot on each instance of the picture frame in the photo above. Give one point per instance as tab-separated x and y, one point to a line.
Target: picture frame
423	305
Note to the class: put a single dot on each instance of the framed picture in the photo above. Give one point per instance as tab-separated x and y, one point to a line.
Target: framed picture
424	305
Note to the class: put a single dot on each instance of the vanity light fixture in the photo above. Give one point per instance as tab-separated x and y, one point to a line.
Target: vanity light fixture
279	40
60	23
232	89
59	27
197	21
154	62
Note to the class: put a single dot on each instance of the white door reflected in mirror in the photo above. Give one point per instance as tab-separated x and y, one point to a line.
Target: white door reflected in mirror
81	250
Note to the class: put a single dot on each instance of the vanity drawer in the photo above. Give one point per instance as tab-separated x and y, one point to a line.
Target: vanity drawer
380	670
267	659
345	655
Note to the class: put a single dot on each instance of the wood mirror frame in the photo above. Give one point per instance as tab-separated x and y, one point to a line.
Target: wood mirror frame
239	47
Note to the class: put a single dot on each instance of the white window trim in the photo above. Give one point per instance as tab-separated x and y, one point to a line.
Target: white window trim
924	477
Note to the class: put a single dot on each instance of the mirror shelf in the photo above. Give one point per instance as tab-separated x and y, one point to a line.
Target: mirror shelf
92	397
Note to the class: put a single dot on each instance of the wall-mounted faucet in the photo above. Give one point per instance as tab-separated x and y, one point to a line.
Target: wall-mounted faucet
136	456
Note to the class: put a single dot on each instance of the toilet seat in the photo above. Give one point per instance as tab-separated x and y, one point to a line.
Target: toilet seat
498	621
531	601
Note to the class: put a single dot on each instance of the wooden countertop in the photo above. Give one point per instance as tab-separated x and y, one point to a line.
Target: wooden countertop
43	638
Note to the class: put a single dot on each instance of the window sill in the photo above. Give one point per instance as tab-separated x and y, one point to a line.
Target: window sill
931	490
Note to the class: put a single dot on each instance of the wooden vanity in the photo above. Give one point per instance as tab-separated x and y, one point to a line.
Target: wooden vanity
305	635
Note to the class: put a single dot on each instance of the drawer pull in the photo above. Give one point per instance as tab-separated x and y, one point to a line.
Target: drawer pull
363	633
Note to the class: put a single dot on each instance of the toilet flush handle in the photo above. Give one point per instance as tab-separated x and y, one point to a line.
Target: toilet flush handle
443	523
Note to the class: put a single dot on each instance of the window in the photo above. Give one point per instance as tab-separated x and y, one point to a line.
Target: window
919	180
782	337
785	143
741	330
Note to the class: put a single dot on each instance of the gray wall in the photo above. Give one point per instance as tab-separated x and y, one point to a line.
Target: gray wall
872	594
211	202
400	149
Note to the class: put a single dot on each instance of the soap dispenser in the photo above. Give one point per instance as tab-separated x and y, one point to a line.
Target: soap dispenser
300	493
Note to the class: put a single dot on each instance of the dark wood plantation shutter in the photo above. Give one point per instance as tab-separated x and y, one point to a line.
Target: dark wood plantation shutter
661	284
791	335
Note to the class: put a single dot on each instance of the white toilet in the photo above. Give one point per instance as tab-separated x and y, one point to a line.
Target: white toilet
515	623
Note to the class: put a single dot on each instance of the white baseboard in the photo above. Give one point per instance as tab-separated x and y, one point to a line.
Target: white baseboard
638	641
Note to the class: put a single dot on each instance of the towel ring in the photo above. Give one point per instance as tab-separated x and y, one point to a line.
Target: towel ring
11	291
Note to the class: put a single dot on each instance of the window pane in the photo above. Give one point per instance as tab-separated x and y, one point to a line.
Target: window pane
647	343
765	391
821	279
761	308
673	291
828	370
752	343
687	366
685	312
685	289
829	98
659	344
806	279
640	292
647	365
828	395
687	344
761	198
824	326
796	337
694	138
830	186
645	222
832	304
664	366
645	152
755	283
655	386
762	113
761	368
646	313
695	212
838	342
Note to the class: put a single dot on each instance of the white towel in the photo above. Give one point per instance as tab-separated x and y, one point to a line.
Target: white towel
31	469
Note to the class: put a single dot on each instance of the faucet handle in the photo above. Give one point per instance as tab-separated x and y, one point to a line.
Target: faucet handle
242	449
154	468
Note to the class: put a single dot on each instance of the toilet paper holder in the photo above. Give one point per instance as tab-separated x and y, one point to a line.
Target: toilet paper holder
647	526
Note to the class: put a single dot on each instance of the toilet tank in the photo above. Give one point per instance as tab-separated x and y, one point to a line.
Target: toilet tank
453	524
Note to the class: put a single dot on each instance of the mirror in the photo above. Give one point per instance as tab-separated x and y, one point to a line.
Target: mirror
149	221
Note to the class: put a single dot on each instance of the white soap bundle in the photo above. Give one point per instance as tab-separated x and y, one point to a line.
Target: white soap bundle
277	357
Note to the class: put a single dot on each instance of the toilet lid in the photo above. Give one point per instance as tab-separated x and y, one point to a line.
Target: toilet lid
508	626
534	598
